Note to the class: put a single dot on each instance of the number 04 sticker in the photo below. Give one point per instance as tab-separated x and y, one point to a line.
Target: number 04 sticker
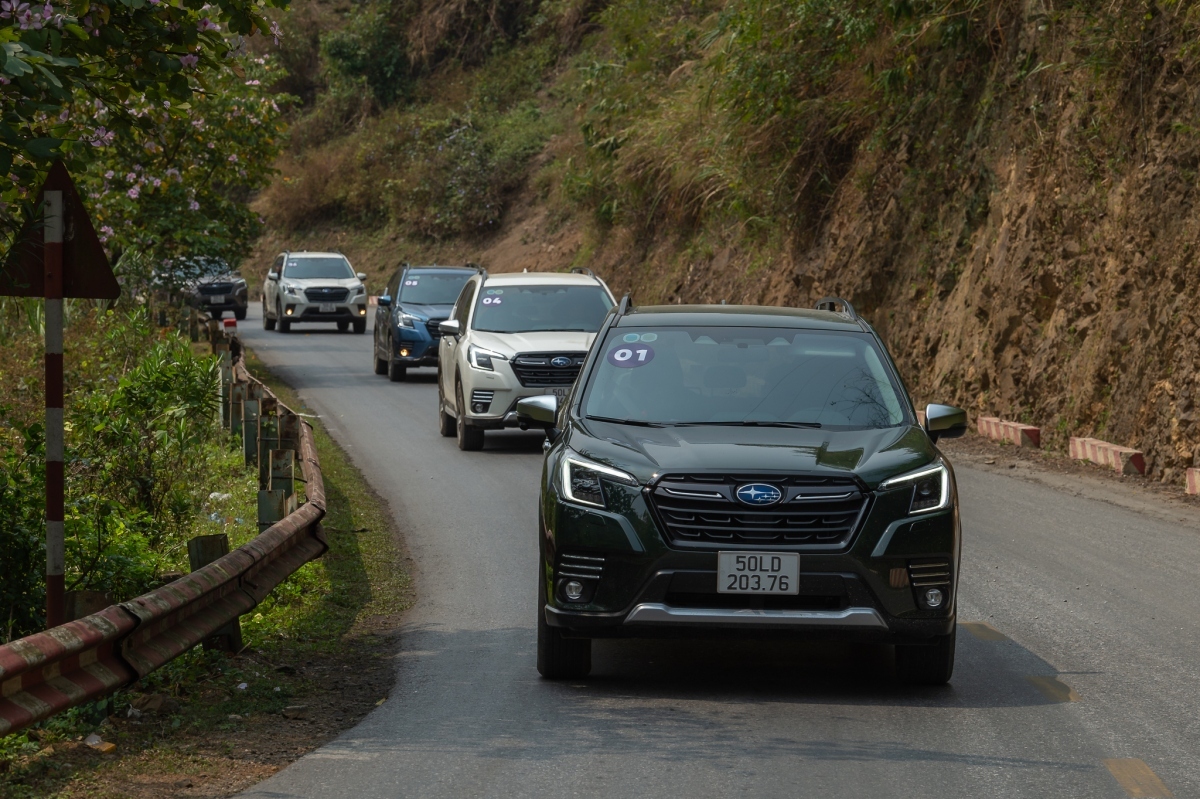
631	357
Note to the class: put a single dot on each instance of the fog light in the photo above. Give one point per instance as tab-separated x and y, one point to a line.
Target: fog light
288	312
479	407
362	310
573	590
403	353
934	597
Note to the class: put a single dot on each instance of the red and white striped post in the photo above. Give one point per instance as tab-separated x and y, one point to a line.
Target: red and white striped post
53	261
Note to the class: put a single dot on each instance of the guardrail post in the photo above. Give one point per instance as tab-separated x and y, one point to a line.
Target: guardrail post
268	437
278	498
289	430
202	551
193	325
226	381
237	396
214	330
250	430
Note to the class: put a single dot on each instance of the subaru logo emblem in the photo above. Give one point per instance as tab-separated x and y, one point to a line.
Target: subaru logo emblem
758	494
560	362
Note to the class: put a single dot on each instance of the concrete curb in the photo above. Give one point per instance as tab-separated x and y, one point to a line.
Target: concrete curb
1022	435
1125	460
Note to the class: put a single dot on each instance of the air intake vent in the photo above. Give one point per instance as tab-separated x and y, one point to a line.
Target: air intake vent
479	395
580	567
931	574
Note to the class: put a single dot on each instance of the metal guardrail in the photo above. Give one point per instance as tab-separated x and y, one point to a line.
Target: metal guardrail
87	659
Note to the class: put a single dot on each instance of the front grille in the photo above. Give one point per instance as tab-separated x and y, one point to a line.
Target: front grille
538	369
815	512
480	396
328	294
580	567
432	327
931	574
216	288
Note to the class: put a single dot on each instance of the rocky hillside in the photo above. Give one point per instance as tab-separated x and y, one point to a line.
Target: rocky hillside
1005	190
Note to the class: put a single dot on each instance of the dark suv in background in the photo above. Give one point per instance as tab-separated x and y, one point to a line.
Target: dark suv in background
738	470
416	299
207	284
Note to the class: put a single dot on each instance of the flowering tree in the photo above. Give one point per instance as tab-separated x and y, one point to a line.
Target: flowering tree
84	74
177	183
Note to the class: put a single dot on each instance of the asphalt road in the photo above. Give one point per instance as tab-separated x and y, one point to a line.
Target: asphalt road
1084	684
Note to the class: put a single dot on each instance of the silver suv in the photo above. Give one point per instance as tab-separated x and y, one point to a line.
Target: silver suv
512	336
314	287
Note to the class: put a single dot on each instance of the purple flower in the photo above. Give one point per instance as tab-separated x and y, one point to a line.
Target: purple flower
276	33
131	177
106	230
233	159
133	193
109	174
189	60
12	9
206	24
252	83
193	205
156	182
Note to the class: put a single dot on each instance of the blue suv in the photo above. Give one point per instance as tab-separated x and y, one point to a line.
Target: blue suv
416	299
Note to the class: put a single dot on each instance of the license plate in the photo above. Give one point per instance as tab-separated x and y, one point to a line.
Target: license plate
328	307
561	393
216	299
758	573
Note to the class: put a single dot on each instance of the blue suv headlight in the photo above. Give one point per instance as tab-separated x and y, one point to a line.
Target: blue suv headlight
930	487
408	320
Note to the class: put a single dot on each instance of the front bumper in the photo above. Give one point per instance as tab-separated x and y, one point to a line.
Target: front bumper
647	587
413	347
295	310
497	392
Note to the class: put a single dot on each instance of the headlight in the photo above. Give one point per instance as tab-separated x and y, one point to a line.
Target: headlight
930	487
291	289
581	481
482	359
407	319
360	289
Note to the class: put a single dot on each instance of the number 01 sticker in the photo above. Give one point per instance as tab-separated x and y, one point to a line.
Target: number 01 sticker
631	357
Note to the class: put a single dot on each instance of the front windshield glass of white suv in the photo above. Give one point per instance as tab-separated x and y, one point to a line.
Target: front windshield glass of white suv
302	268
530	309
432	288
743	376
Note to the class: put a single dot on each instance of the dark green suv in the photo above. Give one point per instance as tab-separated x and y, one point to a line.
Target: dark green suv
739	470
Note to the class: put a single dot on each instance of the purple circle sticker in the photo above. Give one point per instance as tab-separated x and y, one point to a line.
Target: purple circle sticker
631	356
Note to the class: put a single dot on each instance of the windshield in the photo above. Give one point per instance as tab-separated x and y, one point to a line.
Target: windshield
432	288
529	309
301	268
740	375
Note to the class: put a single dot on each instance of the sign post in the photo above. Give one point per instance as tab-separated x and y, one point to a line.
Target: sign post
61	259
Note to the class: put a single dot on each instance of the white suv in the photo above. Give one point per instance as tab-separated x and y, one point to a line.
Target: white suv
314	287
513	336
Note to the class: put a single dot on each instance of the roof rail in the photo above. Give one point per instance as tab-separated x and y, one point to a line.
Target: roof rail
479	269
624	306
831	303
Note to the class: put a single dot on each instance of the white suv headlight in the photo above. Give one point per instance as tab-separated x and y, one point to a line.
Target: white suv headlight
930	487
480	358
359	289
581	480
291	288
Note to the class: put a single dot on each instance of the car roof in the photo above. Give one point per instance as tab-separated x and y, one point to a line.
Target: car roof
737	316
541	279
425	270
307	254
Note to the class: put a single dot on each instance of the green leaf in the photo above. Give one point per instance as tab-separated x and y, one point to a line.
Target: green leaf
6	159
43	148
76	31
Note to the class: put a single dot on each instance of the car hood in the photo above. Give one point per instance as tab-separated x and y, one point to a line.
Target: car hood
438	312
873	455
321	282
551	341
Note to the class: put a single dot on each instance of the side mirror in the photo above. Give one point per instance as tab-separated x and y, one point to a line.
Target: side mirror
361	275
541	410
272	275
385	301
450	327
945	421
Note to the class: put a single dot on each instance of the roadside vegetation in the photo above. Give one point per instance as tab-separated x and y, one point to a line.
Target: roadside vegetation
148	468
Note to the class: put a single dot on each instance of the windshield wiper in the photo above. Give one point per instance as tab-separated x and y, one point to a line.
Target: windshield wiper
635	422
747	423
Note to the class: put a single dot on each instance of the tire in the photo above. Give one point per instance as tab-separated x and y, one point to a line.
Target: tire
381	366
239	314
926	665
396	373
360	326
558	657
343	326
212	314
446	424
268	320
470	438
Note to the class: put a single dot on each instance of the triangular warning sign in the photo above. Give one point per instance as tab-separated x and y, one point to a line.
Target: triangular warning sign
86	272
